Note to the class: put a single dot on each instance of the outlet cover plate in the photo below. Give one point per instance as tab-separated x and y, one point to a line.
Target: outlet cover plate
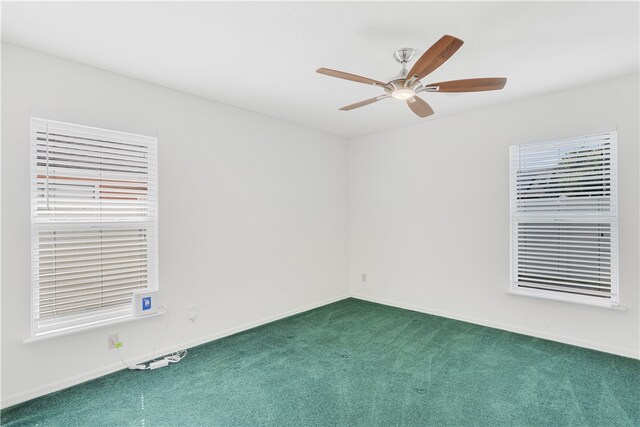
192	312
112	340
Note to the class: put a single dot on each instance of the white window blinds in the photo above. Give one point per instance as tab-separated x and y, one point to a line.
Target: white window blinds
94	223
564	225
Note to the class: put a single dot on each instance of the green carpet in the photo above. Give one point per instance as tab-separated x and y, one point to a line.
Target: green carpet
359	363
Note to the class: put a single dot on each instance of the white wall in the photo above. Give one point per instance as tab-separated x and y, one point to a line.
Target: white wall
429	215
254	222
252	216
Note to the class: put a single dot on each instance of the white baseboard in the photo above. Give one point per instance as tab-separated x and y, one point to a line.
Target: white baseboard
78	379
496	325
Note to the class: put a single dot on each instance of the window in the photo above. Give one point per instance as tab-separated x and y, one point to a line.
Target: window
564	219
93	224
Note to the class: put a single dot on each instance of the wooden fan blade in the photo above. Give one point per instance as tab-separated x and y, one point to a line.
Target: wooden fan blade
419	106
470	85
349	76
435	56
363	103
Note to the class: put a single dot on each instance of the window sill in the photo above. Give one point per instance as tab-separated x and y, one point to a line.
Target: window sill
44	336
569	299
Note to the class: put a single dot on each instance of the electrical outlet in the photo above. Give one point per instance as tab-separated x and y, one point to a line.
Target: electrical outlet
113	341
192	312
364	277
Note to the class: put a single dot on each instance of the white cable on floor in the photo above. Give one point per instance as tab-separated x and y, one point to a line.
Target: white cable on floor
139	366
177	356
172	358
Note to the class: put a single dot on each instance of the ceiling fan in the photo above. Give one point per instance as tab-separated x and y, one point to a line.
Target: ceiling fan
406	85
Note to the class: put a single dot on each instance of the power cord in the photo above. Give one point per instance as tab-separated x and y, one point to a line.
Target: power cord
155	362
158	363
166	332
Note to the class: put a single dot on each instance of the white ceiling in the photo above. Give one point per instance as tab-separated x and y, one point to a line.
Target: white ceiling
263	56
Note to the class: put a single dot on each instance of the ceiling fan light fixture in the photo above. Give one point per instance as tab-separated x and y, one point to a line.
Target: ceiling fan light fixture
403	93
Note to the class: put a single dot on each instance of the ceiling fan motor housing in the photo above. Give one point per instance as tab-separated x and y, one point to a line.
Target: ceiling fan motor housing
397	89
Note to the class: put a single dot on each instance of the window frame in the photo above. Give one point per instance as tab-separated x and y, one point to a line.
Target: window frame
103	316
610	217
